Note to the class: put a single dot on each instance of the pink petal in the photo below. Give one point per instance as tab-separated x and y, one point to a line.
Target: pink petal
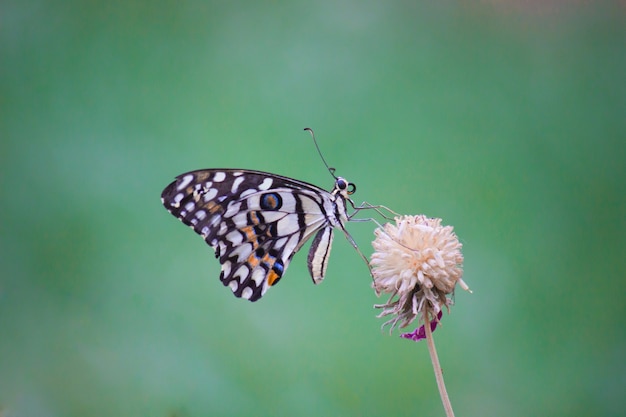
420	333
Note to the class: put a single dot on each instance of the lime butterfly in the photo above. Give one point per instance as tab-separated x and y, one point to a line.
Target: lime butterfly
257	221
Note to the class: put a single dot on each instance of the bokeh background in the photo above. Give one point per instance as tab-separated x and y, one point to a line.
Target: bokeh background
507	119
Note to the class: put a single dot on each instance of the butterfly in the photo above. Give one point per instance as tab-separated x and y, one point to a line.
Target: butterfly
256	222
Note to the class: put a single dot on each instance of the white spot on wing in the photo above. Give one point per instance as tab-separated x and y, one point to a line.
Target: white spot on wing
236	184
235	237
310	206
185	182
240	220
233	285
177	199
222	246
242	252
258	275
280	243
292	244
190	206
219	177
233	208
201	214
241	273
266	184
289	202
247	192
210	195
287	225
246	293
226	270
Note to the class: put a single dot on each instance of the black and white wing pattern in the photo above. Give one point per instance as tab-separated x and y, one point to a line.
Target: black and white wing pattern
257	221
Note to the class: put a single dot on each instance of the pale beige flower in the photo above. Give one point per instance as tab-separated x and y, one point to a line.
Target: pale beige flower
418	262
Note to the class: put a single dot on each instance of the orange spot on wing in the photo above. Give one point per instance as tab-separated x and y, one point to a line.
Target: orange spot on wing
272	277
212	207
250	235
254	218
253	260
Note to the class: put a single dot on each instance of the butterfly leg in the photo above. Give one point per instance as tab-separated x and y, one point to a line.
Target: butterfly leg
367	206
350	239
377	208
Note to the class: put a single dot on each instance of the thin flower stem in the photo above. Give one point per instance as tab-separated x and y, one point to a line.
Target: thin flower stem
445	400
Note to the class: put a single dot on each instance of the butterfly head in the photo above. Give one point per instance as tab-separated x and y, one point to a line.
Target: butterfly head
343	187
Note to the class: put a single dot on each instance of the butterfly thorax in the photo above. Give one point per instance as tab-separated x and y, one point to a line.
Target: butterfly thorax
341	193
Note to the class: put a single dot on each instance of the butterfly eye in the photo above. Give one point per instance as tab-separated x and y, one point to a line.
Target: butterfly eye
342	185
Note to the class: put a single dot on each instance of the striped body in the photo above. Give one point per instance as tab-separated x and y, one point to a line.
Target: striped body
257	221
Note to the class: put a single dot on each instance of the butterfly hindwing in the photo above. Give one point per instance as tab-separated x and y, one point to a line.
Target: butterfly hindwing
256	222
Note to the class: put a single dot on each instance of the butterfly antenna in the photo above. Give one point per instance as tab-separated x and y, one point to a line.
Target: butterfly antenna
331	170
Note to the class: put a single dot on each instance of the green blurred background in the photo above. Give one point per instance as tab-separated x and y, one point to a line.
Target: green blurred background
506	119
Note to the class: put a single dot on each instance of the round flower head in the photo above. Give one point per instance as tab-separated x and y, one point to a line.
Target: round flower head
418	262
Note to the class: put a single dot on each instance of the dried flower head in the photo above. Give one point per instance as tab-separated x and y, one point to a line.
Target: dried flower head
418	262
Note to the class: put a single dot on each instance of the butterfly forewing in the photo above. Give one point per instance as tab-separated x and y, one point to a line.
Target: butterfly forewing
256	222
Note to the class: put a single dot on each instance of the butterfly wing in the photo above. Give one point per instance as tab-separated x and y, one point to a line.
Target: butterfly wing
255	221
